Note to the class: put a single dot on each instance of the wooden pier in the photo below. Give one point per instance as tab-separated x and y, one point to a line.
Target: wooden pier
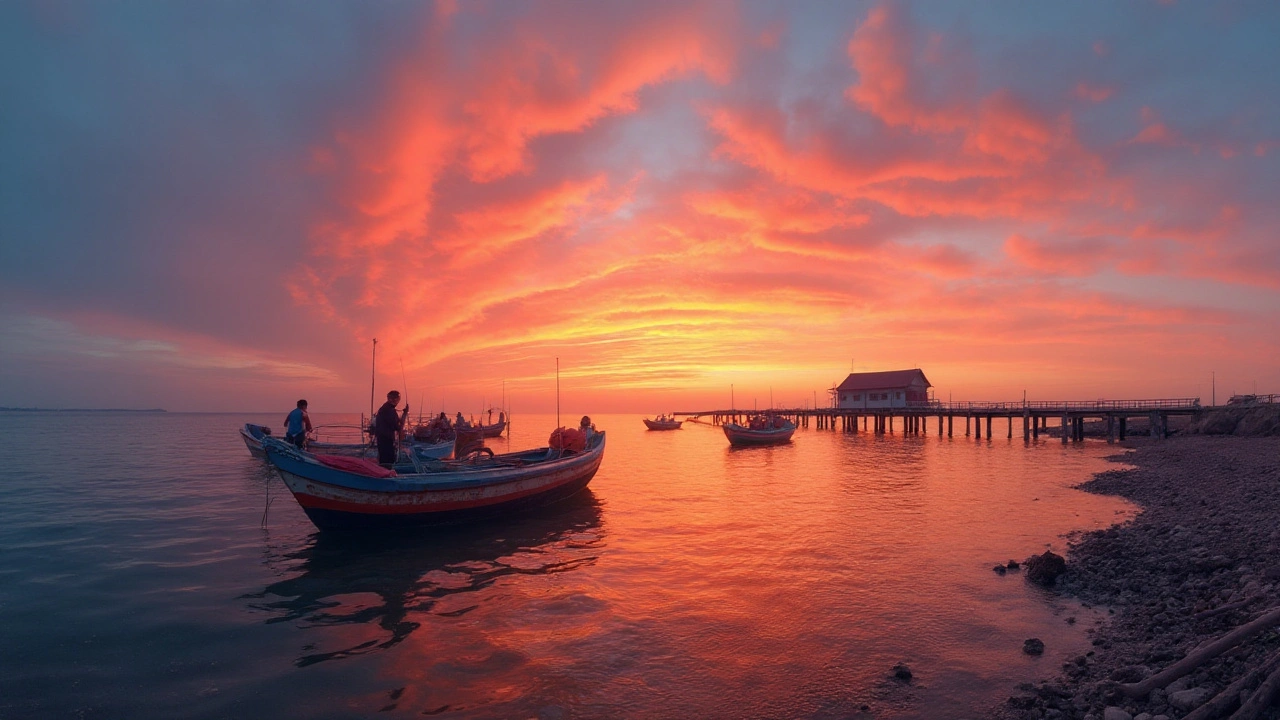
915	418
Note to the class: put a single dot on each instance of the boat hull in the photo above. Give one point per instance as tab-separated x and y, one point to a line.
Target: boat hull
741	436
334	499
252	436
656	425
494	430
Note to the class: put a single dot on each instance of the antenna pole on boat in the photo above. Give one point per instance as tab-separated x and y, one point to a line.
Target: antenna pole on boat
557	392
373	374
405	378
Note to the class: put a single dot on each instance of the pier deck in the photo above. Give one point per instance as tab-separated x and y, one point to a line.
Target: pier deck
1070	415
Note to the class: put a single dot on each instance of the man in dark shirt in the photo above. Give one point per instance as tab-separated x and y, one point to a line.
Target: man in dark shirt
387	427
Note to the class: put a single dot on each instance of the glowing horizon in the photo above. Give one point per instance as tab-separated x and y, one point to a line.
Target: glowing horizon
671	199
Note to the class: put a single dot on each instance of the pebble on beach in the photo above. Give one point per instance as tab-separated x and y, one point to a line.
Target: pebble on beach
1034	646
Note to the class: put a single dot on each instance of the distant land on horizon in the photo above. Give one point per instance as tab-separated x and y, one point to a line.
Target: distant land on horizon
32	409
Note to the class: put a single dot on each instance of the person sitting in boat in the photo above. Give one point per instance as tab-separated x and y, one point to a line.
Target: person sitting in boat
297	424
460	421
586	427
387	428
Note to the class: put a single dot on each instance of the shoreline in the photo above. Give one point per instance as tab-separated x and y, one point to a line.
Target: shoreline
1207	538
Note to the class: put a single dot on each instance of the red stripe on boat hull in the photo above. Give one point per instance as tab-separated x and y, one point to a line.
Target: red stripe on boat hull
338	516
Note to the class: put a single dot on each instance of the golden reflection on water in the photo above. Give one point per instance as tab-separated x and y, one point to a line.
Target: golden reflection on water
700	580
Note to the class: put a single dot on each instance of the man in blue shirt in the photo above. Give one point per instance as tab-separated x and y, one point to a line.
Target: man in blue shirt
297	424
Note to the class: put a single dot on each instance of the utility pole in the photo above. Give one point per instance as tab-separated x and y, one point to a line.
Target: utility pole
1213	383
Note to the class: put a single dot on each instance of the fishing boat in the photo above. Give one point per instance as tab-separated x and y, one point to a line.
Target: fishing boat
760	430
339	492
663	422
431	450
493	429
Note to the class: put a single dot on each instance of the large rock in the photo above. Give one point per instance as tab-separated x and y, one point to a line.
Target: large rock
1045	569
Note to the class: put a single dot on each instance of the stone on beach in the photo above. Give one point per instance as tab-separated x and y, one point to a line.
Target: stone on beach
1045	569
1034	646
1189	699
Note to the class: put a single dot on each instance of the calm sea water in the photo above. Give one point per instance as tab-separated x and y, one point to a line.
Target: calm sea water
138	580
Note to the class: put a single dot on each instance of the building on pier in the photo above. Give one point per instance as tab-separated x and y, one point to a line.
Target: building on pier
876	390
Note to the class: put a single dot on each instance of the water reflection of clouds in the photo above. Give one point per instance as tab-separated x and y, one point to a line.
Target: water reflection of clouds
341	582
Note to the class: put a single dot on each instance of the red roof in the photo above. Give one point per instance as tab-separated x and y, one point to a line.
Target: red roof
883	380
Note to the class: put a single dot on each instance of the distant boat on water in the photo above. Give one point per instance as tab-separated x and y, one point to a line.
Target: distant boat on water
760	430
339	492
494	430
663	422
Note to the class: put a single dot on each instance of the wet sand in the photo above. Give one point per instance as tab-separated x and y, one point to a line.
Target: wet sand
1208	537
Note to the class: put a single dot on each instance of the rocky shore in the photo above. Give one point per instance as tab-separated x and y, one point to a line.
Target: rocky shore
1200	560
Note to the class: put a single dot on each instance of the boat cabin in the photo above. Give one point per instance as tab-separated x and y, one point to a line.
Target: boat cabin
890	389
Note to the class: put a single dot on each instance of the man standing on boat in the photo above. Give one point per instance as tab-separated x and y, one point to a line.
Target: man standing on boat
297	424
387	427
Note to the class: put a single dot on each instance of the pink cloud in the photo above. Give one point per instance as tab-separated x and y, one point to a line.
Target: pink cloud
1076	258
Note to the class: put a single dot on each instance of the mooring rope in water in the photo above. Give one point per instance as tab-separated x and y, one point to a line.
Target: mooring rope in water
265	509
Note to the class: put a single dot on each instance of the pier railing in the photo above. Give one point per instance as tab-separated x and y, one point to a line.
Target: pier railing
1012	407
1253	399
1066	405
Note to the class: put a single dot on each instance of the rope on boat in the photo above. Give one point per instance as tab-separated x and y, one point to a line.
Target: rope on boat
282	448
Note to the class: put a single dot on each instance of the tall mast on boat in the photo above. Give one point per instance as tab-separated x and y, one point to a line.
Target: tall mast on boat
373	373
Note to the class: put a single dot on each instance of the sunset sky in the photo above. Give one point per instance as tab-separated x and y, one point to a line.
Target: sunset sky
217	205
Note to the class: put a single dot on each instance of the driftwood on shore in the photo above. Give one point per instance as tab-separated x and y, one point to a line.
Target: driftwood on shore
1202	654
1227	608
1230	697
1260	699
